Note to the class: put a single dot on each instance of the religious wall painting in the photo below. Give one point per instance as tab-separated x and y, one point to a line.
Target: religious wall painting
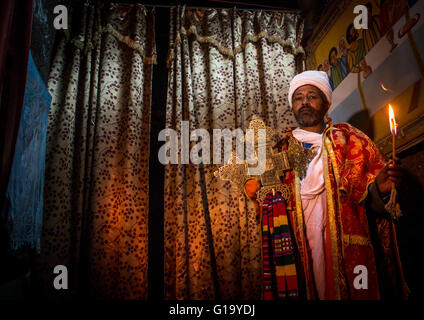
391	11
338	69
369	69
355	44
346	55
390	36
409	24
356	50
365	68
373	34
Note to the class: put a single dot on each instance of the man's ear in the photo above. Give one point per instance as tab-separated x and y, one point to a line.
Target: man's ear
327	107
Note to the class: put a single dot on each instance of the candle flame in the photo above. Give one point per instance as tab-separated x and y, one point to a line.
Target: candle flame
383	87
393	124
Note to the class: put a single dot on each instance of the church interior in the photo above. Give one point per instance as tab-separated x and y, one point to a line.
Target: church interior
87	87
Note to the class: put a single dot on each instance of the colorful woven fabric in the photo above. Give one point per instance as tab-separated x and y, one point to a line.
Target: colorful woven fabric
280	279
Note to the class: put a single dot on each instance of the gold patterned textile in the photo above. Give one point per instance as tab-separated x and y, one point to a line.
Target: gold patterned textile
299	157
223	70
96	180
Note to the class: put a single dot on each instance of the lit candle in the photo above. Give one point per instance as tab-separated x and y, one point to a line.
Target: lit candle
393	127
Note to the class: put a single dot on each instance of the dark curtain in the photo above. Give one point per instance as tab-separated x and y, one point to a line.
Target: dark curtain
15	38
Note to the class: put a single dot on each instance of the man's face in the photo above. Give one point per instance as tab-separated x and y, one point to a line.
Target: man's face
308	106
342	45
326	65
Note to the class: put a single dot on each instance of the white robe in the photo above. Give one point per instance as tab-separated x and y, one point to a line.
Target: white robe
314	204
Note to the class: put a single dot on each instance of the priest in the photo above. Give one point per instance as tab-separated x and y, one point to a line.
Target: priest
331	238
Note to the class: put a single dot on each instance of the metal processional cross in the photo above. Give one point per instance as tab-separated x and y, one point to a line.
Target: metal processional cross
276	164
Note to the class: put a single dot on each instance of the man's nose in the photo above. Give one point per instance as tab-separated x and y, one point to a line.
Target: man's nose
305	99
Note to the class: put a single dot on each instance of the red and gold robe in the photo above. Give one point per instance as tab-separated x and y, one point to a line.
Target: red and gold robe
352	164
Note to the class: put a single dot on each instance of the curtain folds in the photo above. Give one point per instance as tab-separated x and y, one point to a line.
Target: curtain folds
15	41
96	181
225	66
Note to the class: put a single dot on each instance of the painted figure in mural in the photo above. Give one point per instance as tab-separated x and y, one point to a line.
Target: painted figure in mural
342	46
343	53
391	11
338	69
372	34
327	69
365	68
326	66
333	219
390	36
356	51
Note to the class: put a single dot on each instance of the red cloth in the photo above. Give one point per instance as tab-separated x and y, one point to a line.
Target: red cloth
353	162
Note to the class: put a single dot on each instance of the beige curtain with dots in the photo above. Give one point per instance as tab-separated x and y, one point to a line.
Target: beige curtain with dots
97	174
225	66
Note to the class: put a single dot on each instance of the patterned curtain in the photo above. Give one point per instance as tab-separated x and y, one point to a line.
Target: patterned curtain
96	192
224	67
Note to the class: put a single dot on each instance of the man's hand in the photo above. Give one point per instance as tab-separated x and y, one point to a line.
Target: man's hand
391	173
251	188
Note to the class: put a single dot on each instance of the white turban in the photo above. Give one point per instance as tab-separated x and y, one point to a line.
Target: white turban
318	79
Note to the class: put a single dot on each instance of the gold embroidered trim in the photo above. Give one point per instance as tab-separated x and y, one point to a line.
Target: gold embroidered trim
332	224
356	240
228	51
283	188
299	157
87	46
299	209
366	191
336	171
300	227
131	43
332	159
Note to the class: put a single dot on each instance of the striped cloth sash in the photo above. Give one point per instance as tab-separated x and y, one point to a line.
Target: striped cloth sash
280	279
